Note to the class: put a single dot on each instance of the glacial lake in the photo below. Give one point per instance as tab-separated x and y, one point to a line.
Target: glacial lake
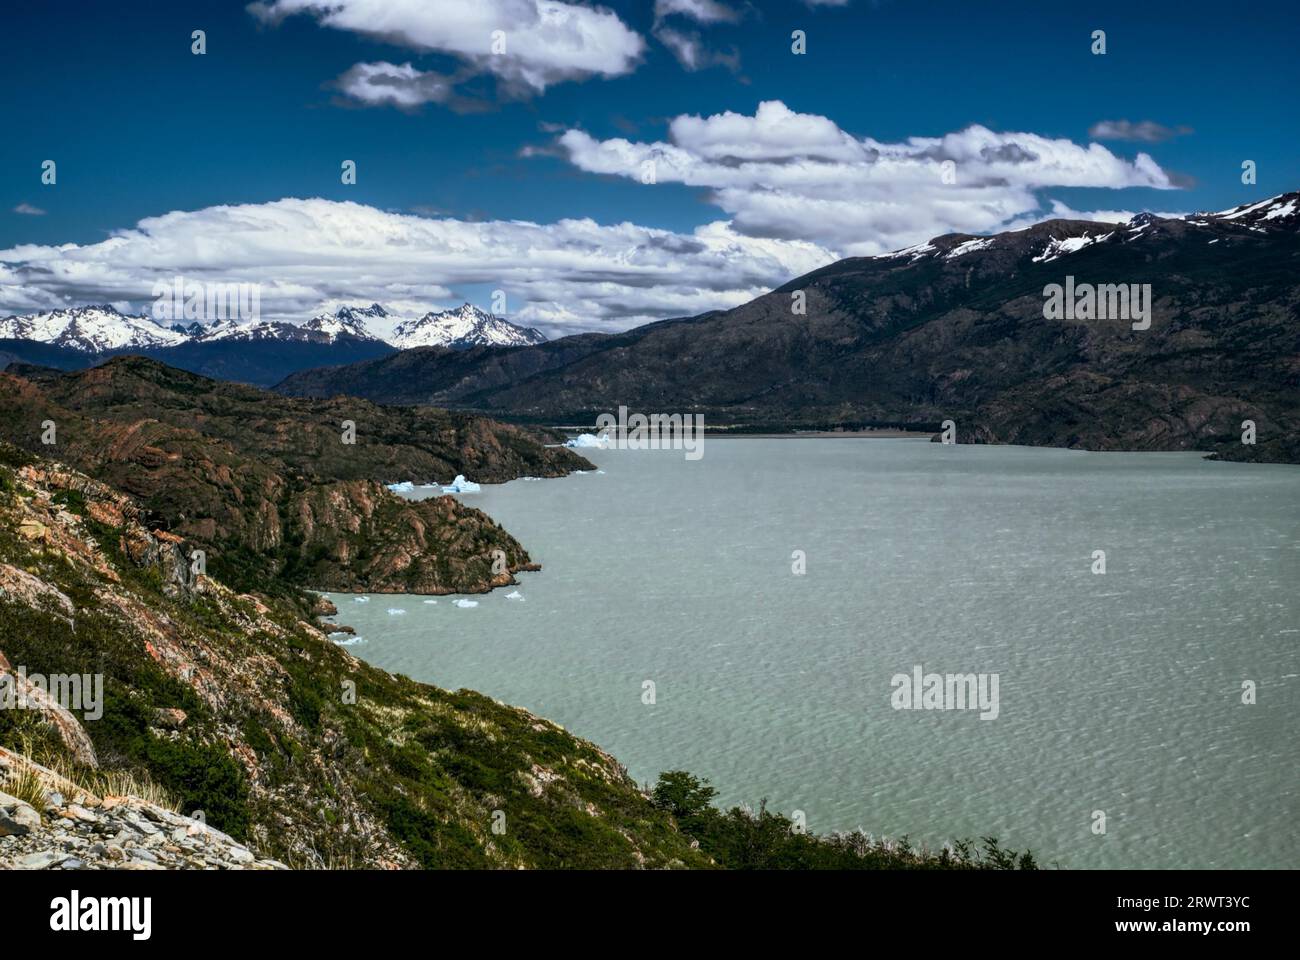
1118	692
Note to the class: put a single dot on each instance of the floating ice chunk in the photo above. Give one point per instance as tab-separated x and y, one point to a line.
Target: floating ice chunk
514	595
466	604
461	485
406	486
589	440
396	612
360	599
431	601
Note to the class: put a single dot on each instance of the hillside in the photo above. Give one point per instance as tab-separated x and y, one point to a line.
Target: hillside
952	329
267	487
232	704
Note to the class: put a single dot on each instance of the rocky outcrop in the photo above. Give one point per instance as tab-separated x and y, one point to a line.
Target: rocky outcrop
114	833
27	695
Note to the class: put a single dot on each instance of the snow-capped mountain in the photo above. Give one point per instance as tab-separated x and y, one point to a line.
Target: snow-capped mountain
466	326
89	330
1052	239
103	329
359	315
1282	210
348	322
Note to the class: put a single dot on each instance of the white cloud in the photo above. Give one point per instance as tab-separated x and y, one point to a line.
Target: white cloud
691	51
27	210
791	175
312	253
688	46
398	85
545	41
705	11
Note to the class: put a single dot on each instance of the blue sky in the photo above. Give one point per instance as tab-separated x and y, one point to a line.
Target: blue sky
139	126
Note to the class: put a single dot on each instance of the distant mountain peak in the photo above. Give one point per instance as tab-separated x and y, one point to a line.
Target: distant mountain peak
1282	210
460	328
89	329
374	311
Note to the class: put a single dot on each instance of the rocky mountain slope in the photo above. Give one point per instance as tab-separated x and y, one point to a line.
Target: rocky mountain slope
233	704
952	329
268	488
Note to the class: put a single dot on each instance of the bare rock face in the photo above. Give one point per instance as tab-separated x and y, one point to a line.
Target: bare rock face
32	590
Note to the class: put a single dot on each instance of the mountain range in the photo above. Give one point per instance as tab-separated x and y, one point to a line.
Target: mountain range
252	351
957	328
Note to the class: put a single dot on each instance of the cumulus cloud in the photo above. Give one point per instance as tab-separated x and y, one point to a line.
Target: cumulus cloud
308	253
786	175
527	45
1145	131
27	210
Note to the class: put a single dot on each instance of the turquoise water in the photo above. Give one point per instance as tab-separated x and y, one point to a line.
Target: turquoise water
1118	693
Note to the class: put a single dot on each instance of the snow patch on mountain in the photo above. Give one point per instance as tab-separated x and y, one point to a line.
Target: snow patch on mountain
969	246
1067	245
1282	207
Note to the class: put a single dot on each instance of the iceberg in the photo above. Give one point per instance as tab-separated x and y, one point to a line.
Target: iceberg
461	485
395	612
360	599
431	601
588	440
406	486
466	604
514	595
